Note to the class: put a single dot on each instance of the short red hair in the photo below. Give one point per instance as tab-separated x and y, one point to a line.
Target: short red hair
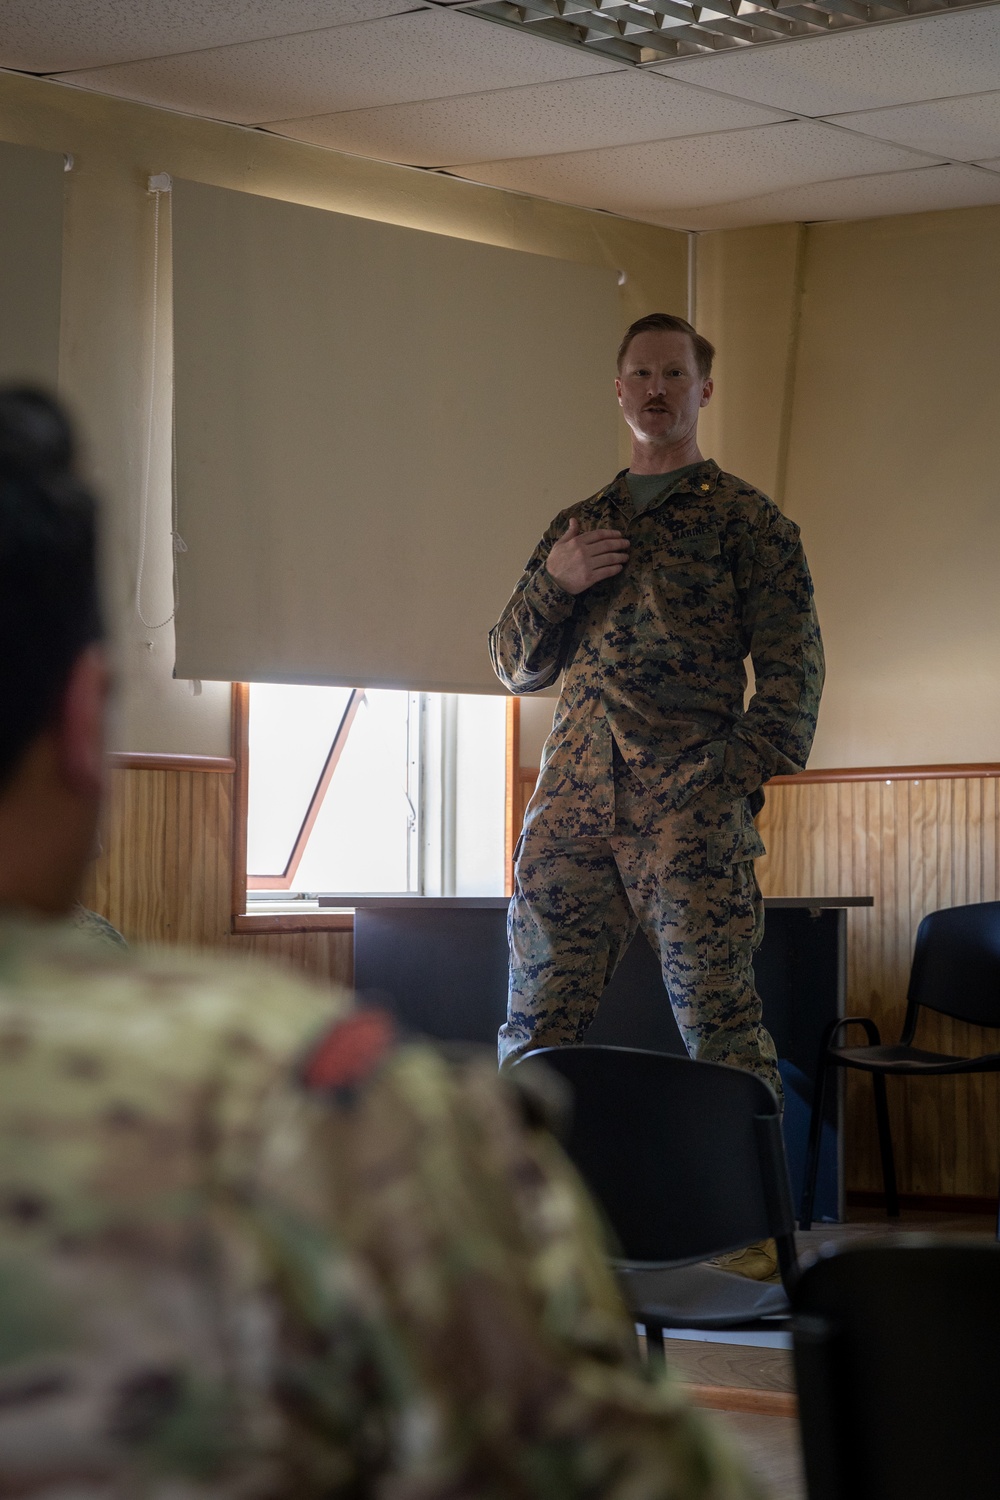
704	352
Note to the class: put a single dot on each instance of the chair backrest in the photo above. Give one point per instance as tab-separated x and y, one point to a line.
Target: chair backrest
685	1158
956	963
897	1359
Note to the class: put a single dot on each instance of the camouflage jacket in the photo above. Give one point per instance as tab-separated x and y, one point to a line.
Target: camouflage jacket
250	1249
654	657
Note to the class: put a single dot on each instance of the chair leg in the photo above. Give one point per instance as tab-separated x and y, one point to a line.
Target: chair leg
815	1141
655	1352
885	1147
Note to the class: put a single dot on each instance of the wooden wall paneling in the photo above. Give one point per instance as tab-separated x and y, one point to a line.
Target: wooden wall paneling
166	873
985	1101
163	873
924	895
862	832
890	834
915	843
169	871
324	956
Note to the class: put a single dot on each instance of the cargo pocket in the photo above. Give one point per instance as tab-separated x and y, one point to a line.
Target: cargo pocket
751	843
730	883
735	839
722	850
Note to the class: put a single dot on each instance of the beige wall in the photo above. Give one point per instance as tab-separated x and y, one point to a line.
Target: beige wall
747	303
31	238
105	330
858	383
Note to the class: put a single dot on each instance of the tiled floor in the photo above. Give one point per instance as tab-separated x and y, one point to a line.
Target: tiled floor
769	1441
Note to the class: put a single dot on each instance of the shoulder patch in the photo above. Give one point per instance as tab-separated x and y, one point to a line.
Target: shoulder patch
349	1053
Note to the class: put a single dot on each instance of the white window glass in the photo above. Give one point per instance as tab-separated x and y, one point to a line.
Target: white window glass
362	835
480	795
291	731
412	800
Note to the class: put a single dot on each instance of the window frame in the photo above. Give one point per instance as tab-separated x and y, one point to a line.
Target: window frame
246	921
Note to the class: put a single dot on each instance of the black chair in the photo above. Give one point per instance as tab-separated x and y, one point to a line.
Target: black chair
686	1160
897	1361
956	971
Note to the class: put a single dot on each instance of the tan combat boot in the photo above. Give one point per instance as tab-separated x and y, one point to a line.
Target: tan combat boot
758	1262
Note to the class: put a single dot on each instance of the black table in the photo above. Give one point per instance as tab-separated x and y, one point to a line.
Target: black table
440	964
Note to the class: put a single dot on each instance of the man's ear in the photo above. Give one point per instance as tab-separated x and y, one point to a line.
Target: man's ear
81	722
706	394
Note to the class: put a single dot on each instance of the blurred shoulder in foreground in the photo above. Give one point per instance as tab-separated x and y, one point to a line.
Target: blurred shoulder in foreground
250	1244
97	926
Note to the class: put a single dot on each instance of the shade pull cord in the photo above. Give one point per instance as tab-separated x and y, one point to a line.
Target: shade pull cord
158	185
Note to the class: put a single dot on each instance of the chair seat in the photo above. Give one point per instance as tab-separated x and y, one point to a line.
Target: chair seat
700	1297
899	1059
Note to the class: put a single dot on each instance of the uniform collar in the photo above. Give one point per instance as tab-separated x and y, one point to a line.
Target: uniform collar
702	482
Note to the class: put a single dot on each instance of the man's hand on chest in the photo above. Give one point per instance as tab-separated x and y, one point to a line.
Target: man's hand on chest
579	559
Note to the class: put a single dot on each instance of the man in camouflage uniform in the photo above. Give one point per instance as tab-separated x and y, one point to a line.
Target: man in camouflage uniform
249	1247
647	598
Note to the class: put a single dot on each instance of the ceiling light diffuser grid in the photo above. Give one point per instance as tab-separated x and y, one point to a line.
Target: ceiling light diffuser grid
667	29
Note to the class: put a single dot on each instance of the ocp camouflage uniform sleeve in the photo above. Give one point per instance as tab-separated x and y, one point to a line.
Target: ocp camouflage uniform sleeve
488	1261
176	1320
215	1283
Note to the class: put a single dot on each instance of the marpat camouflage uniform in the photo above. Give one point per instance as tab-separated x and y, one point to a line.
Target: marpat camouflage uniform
653	771
249	1250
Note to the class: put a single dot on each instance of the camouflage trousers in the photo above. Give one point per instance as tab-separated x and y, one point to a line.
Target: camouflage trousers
686	877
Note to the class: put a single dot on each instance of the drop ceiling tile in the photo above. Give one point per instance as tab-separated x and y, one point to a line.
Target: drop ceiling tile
419	56
577	114
991	165
50	36
929	189
663	176
967	128
930	58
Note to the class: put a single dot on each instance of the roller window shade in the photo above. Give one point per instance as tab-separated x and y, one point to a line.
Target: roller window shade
374	426
32	187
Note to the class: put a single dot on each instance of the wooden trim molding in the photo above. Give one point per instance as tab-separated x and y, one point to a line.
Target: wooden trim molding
970	772
241	797
141	760
512	801
938	1203
285	922
228	765
742	1398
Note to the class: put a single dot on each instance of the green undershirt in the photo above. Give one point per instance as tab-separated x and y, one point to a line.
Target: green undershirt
645	488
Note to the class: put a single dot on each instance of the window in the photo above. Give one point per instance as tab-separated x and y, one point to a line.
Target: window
374	791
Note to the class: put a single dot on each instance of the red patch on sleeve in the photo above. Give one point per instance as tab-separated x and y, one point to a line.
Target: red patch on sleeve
350	1051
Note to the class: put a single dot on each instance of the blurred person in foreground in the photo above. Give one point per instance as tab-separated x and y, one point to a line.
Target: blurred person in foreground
249	1244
